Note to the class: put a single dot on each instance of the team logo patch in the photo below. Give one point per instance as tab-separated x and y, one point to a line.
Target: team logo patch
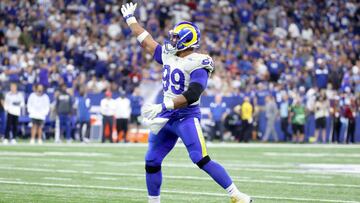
206	62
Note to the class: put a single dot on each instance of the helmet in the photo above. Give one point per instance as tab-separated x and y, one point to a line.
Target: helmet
183	36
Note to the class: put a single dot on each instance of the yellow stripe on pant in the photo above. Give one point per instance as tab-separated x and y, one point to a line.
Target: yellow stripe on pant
201	137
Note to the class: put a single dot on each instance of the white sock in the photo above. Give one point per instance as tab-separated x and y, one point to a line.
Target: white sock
232	190
154	199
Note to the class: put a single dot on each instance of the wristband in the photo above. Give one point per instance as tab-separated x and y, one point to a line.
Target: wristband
130	19
142	36
167	105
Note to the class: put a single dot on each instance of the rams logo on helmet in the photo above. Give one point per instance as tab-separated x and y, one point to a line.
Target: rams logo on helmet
183	36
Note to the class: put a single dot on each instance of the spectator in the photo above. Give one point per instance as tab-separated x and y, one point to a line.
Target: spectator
28	77
69	75
275	68
322	74
349	113
136	104
38	106
122	114
2	114
83	106
64	112
13	70
217	114
114	29
310	99
92	85
246	119
107	108
335	114
284	116
233	123
12	37
297	117
14	102
271	112
322	107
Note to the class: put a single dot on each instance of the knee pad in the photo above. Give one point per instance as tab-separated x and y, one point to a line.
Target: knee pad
206	159
152	158
152	169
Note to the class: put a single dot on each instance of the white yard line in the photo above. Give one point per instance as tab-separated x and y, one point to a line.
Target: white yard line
295	171
235	178
235	167
280	177
56	178
167	191
83	165
185	163
10	179
105	178
313	155
319	177
210	145
46	154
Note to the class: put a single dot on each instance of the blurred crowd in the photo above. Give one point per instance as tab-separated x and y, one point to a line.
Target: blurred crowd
313	118
67	117
303	52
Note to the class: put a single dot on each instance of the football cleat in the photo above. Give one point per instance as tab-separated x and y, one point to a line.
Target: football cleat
241	198
5	141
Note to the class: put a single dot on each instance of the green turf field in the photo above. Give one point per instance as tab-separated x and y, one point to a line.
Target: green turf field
115	173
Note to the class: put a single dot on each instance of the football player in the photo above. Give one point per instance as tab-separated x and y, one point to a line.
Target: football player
185	76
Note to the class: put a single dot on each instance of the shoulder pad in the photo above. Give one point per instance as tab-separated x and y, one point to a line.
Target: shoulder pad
203	61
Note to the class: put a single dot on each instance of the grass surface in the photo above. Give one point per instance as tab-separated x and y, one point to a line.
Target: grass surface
115	173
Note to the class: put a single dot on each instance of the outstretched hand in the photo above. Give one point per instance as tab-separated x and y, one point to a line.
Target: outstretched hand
128	10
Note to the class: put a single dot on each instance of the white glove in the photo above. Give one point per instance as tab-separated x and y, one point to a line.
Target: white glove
156	124
150	111
127	11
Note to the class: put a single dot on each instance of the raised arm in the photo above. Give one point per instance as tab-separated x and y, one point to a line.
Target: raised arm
144	38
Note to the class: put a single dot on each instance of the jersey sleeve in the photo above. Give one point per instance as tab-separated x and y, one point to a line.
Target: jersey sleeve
202	62
158	54
199	76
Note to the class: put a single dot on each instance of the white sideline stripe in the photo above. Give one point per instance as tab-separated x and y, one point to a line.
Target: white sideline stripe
82	164
105	178
237	179
340	168
10	179
302	170
43	154
186	162
280	177
289	154
210	145
165	191
55	178
239	167
298	168
319	176
233	167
